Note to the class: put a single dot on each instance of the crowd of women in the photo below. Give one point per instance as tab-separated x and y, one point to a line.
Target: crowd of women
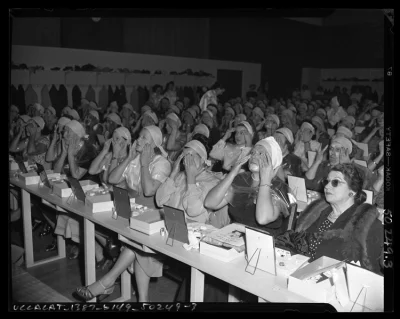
220	163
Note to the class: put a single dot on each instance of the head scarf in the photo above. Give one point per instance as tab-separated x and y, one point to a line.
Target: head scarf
201	129
199	148
51	109
39	121
63	121
335	101
145	108
25	118
271	108
192	113
230	110
14	108
84	102
318	120
287	133
124	132
209	112
152	115
175	109
74	114
259	112
93	105
241	117
292	108
114	104
321	111
345	131
157	137
345	142
288	113
307	125
350	119
248	104
273	149
77	128
115	118
275	118
174	118
95	114
351	107
303	105
227	104
38	107
66	109
247	126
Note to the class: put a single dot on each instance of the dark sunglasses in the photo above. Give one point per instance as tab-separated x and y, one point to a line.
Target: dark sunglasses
334	182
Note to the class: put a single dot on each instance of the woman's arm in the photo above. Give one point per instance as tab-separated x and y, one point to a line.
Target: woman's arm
172	145
76	171
368	138
16	144
310	174
35	148
99	161
51	153
58	166
149	184
115	176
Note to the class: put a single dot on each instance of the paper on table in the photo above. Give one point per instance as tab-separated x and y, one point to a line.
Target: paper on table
361	163
230	234
369	196
298	187
260	251
311	157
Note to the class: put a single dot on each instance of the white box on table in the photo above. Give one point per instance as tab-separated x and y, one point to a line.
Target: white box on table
148	222
99	203
318	292
60	188
32	178
13	166
225	254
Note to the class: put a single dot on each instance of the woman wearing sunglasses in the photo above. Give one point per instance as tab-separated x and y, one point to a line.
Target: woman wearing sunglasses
341	226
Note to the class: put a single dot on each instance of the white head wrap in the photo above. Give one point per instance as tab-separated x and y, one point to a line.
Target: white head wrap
209	112
124	132
95	114
351	107
115	118
66	110
63	121
25	118
247	126
271	108
74	114
128	106
77	128
201	129
259	112
14	108
51	109
152	115
248	104
292	108
288	113
321	111
175	109
199	148
192	113
145	108
39	121
241	117
230	110
345	131
93	105
345	142
275	118
335	101
273	149
350	119
287	133
157	137
307	125
114	104
38	107
318	120
174	118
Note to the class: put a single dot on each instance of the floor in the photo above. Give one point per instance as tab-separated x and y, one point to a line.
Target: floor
65	275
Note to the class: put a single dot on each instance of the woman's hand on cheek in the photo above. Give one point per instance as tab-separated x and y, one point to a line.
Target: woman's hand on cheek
145	157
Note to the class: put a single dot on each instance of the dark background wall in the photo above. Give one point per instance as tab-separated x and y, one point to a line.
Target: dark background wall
282	46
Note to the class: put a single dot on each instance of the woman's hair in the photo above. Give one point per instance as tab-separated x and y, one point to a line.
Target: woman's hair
354	179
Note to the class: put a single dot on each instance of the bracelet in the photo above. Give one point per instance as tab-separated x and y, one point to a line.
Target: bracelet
265	185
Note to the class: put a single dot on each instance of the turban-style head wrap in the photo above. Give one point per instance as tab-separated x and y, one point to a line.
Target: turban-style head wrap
174	118
114	104
271	109
93	105
247	126
275	118
273	149
292	108
175	109
95	114
74	114
288	113
77	128
192	113
209	112
318	120
51	109
287	133
241	117
145	108
157	137
38	107
350	119
345	131
248	104
321	111
308	126
259	112
25	118
14	108
66	110
152	115
124	132
63	121
199	148
227	104
230	110
39	121
344	142
201	129
115	118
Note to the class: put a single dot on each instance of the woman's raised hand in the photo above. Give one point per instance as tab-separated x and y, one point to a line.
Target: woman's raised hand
132	150
228	133
320	154
242	159
106	145
267	172
175	168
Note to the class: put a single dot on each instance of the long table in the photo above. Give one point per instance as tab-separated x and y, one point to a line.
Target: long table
264	285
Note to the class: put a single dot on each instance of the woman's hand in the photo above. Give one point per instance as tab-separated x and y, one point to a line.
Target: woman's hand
64	146
116	149
55	132
145	157
381	172
320	154
267	173
106	146
176	167
228	133
73	146
132	151
242	159
190	167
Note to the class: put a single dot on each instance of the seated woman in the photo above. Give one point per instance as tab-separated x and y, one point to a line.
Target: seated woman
340	152
19	128
321	113
229	153
291	164
227	119
238	119
144	170
202	130
304	142
302	116
258	118
271	124
128	115
288	120
93	128
321	135
147	119
189	119
341	226
257	198
174	139
55	148
50	119
112	122
75	158
207	119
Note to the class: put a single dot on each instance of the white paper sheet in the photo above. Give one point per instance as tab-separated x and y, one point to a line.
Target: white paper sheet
260	251
298	187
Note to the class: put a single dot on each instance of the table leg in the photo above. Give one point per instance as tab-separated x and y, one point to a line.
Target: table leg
90	259
27	221
234	294
196	286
